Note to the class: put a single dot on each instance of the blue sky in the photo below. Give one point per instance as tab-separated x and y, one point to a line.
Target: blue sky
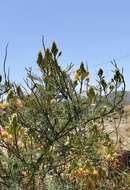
95	31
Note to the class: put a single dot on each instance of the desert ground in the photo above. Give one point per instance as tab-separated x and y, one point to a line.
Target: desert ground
123	130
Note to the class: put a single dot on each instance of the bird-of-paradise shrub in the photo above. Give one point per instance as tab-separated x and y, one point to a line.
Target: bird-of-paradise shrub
52	132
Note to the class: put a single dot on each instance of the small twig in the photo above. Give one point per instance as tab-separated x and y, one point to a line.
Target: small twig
4	62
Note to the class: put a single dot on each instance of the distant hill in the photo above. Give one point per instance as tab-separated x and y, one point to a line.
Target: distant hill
127	98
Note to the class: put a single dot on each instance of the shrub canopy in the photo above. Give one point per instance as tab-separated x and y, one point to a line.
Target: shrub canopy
52	133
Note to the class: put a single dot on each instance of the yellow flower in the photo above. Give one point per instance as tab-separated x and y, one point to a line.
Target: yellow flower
87	171
4	134
77	75
81	169
115	154
109	157
95	172
3	105
19	104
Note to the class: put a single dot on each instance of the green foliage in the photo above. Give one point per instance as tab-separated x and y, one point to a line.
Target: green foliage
52	134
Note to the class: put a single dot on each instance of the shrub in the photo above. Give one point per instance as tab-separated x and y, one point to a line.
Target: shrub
52	133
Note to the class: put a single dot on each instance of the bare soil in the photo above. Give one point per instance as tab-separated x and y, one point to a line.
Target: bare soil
123	130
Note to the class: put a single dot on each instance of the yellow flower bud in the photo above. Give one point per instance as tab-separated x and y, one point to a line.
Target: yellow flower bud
95	172
77	76
108	157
